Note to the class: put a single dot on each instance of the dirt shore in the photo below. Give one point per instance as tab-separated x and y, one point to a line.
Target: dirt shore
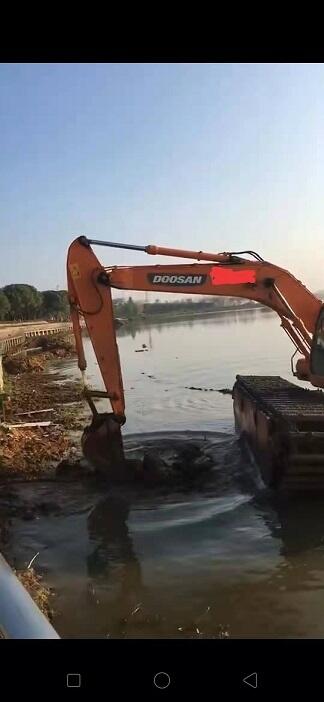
33	453
30	387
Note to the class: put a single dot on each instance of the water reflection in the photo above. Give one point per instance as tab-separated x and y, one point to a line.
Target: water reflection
297	521
263	602
132	328
112	562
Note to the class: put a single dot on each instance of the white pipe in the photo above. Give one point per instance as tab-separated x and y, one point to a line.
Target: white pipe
20	617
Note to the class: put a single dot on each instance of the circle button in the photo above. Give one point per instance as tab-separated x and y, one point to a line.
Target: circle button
162	680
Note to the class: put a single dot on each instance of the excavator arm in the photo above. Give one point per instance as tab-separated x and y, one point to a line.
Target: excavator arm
227	274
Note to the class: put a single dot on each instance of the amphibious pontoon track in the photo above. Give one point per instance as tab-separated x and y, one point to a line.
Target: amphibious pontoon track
284	426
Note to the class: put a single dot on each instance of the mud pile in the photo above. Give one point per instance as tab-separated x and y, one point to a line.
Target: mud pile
14	365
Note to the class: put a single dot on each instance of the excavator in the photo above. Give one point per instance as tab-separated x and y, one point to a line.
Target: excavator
281	423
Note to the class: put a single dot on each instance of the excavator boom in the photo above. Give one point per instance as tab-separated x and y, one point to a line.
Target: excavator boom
227	274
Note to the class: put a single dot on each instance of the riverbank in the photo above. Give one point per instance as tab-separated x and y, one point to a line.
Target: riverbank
34	393
44	400
168	317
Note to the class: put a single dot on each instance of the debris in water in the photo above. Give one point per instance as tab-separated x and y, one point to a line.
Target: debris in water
137	609
32	560
41	595
224	391
223	632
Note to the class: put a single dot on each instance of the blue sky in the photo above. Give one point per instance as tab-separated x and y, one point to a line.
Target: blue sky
212	156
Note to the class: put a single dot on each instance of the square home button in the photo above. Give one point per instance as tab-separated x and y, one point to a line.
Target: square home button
73	680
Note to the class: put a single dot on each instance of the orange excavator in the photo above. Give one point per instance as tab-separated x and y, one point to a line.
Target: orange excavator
282	423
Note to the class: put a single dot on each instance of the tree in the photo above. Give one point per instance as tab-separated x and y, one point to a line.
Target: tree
55	304
4	306
131	311
25	301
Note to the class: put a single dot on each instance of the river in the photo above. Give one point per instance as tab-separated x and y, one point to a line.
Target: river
219	559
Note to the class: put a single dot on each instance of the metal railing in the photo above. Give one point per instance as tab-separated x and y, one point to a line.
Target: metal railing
14	343
20	617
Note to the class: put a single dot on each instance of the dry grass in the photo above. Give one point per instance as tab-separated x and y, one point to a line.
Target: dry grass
29	387
41	594
32	450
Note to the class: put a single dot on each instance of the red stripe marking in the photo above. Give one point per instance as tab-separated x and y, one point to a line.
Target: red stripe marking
228	276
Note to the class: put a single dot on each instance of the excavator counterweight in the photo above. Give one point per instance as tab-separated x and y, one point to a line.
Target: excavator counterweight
282	423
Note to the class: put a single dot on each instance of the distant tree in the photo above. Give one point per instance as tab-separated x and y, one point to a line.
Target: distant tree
25	301
130	309
4	306
55	304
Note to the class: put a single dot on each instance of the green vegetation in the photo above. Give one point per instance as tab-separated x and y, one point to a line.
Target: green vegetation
56	304
126	309
21	302
136	311
4	305
191	307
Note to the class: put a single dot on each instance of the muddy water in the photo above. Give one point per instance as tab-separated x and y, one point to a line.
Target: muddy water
218	558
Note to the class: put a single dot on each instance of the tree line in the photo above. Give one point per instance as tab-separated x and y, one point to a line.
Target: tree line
132	311
21	302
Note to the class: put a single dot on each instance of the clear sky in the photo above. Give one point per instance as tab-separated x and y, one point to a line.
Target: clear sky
212	156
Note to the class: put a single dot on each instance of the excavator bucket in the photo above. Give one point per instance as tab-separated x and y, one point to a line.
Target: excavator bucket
102	446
